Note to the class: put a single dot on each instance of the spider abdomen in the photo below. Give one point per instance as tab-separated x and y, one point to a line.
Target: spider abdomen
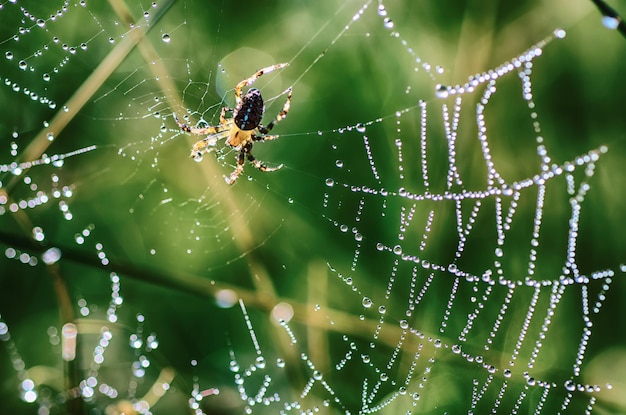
250	112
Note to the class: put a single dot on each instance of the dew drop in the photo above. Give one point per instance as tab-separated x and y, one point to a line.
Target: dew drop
441	91
166	38
46	77
330	182
8	55
22	65
367	302
51	256
234	366
38	234
360	127
388	23
339	163
610	22
41	23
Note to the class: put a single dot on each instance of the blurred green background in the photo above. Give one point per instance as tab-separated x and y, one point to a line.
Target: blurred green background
177	236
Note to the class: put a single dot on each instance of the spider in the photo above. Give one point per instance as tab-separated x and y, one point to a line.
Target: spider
243	128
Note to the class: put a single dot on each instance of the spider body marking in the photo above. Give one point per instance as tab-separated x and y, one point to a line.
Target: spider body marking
243	128
250	112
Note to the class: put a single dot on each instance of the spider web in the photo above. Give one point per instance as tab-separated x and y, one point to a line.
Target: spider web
439	240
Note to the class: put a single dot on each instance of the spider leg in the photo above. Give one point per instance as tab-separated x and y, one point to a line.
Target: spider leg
281	115
254	77
223	119
241	159
257	163
213	134
265	137
195	130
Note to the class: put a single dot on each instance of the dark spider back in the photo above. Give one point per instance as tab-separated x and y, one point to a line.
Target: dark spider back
250	112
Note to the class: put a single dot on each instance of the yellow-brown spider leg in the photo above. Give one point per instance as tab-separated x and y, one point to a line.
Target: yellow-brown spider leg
254	77
213	133
281	115
195	130
257	163
262	137
241	159
223	119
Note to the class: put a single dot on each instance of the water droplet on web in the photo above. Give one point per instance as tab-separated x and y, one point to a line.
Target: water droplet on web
441	91
381	10
367	302
41	23
51	256
38	234
22	65
260	362
360	127
388	23
166	38
50	136
234	366
339	163
8	55
330	182
610	22
46	77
